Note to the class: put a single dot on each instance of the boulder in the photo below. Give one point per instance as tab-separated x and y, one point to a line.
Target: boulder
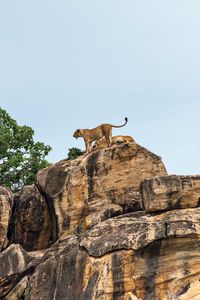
6	202
19	291
15	264
30	224
98	186
135	256
120	229
137	230
170	192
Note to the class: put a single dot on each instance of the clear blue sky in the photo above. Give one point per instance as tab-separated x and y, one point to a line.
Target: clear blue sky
76	64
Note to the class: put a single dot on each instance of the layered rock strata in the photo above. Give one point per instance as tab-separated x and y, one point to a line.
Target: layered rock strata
135	256
15	265
98	186
170	192
30	225
114	225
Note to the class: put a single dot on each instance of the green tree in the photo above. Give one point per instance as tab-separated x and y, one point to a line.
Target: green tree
20	156
74	153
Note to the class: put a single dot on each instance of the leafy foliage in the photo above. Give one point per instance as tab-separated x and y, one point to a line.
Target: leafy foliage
74	153
20	156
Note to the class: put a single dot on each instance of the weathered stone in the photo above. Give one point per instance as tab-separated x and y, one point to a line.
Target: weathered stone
6	202
30	224
61	247
135	256
107	212
13	263
137	230
160	271
19	290
170	192
98	186
75	275
122	248
51	277
168	269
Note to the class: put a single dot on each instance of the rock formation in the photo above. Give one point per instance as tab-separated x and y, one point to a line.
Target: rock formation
170	192
109	225
30	224
98	186
6	202
135	256
15	264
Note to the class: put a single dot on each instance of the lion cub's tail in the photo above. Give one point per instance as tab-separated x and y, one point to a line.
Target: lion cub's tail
115	126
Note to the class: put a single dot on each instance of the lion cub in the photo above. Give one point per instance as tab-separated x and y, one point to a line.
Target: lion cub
95	134
118	139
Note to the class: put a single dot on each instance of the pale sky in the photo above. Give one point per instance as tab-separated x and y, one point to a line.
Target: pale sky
76	64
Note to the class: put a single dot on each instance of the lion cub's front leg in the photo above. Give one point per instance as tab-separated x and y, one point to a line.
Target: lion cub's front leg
87	145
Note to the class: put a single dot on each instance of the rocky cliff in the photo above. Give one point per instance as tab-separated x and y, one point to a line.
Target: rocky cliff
109	225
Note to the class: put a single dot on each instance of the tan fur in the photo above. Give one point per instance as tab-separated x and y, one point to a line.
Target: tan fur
118	139
95	134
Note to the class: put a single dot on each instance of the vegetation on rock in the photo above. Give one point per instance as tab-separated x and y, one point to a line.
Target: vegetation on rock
74	153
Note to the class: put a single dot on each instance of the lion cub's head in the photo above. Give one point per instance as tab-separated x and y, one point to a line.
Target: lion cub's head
77	133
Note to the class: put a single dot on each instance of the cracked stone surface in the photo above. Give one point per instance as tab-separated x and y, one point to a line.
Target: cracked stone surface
30	224
170	192
98	186
135	256
15	265
111	225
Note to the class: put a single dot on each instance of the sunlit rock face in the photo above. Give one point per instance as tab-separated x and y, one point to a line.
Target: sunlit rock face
170	192
110	225
98	186
135	256
6	202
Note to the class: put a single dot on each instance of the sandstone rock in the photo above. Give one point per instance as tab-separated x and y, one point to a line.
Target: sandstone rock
61	247
48	270
125	231
30	224
170	192
164	270
19	290
74	275
98	186
135	256
13	267
137	230
6	202
168	269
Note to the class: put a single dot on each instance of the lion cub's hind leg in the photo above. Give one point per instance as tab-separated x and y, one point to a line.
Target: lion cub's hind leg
108	136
